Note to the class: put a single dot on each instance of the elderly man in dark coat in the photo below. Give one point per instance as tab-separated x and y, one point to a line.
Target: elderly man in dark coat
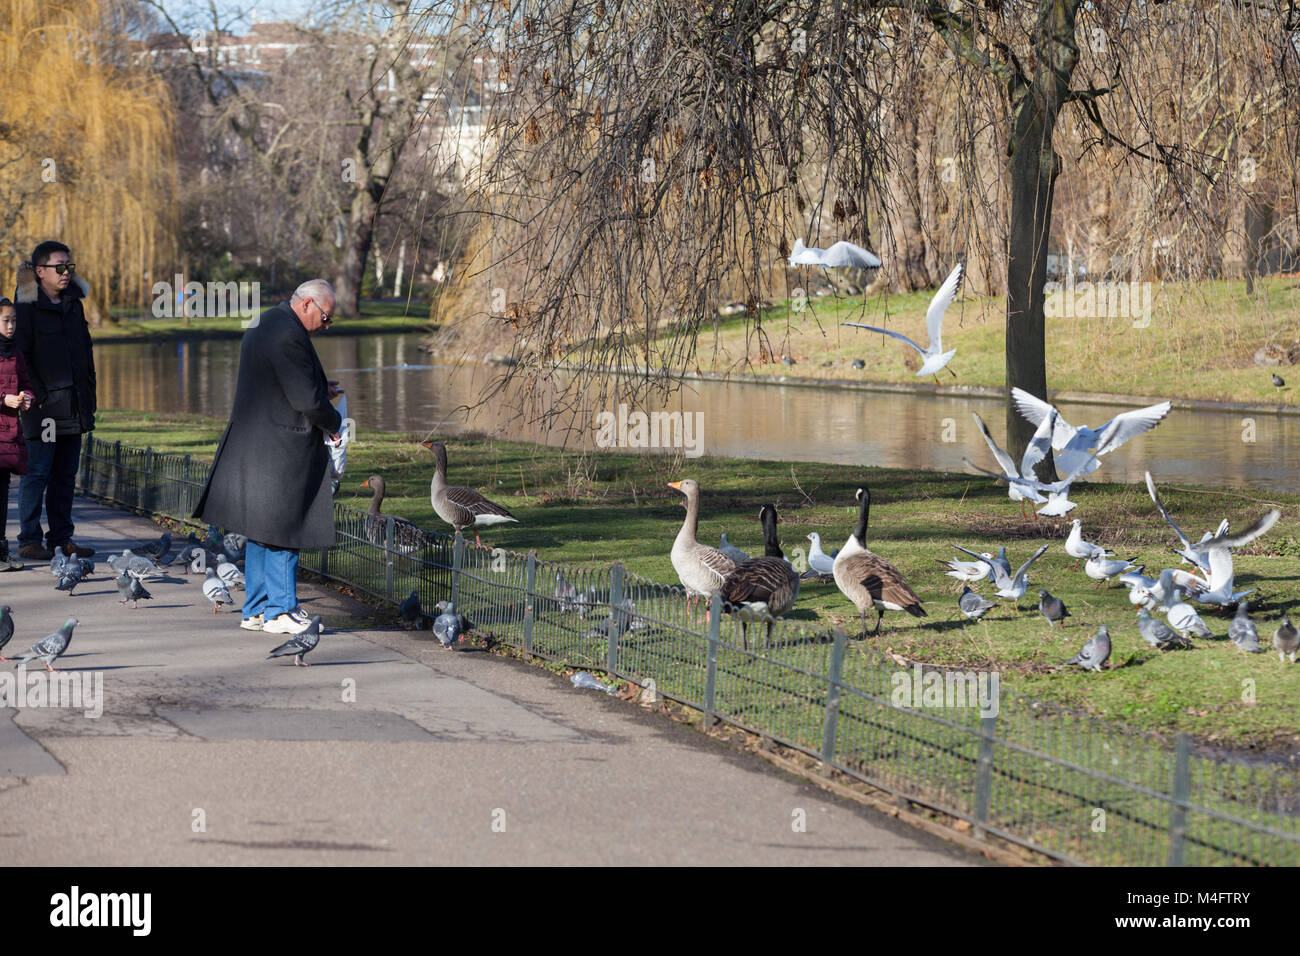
270	480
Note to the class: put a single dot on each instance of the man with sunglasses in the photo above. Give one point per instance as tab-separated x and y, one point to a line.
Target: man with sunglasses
55	341
270	479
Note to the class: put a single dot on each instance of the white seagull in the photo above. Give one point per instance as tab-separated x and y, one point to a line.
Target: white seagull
969	570
934	357
1073	443
819	562
1035	452
1076	547
1219	552
843	253
1100	568
1008	586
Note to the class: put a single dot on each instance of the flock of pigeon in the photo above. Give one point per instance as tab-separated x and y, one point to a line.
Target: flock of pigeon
218	559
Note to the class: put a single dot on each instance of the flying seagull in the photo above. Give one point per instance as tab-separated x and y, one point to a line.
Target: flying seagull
843	253
1073	443
934	357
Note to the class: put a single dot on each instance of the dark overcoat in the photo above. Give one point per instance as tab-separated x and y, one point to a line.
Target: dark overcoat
55	342
13	381
270	479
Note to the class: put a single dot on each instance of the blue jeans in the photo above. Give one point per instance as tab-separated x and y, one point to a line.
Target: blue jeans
52	475
270	580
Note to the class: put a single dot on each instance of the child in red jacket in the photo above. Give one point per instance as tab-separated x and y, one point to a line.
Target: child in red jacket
15	396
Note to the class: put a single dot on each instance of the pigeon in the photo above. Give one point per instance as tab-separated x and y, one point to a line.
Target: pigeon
1278	380
1157	635
972	605
1242	630
565	592
586	603
234	546
858	363
135	564
69	577
6	628
131	589
185	556
1053	608
214	589
935	358
203	559
449	627
731	551
1101	568
52	646
299	644
231	575
1008	586
838	256
57	563
1072	443
87	566
1184	619
1095	653
1286	639
159	550
410	611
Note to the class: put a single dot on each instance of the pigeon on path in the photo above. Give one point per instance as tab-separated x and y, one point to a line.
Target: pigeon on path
1286	640
131	589
69	577
52	646
410	611
1095	653
215	591
1052	608
299	644
229	574
159	550
6	628
449	627
972	605
1242	630
1157	634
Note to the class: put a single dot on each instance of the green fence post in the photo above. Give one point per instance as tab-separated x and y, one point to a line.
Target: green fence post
530	579
711	674
615	617
984	774
390	566
831	723
457	562
143	494
117	471
1182	790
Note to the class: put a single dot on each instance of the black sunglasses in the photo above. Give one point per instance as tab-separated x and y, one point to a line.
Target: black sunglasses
61	267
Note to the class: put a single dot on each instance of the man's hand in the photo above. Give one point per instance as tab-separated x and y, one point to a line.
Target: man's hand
27	398
335	389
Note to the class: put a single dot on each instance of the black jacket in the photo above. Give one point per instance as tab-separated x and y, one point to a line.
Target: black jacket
270	479
55	341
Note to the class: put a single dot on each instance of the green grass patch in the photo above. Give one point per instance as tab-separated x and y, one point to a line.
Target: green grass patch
129	326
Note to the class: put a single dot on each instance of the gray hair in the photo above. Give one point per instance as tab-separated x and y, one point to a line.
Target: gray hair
314	289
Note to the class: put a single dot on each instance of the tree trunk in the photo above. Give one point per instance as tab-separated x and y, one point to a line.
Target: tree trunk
907	232
356	247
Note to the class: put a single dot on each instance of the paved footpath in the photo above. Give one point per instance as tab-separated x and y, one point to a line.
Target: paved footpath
208	754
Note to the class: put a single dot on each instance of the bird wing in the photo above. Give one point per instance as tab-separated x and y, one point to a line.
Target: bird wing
475	503
897	335
845	253
938	305
1151	487
1039	445
1004	460
1025	567
50	644
998	573
1034	410
1242	538
1129	425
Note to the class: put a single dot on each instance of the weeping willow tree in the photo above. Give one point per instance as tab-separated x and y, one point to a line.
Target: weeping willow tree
85	147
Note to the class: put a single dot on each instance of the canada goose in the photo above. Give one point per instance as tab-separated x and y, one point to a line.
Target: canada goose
867	579
700	568
461	507
407	537
765	587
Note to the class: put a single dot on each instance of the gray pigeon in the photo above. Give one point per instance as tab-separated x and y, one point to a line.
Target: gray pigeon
1242	630
159	550
69	577
215	591
131	589
52	646
1053	608
858	363
972	605
586	603
234	545
299	644
1157	634
1095	653
449	627
133	563
231	575
1278	380
6	628
57	563
87	566
565	592
410	611
1286	639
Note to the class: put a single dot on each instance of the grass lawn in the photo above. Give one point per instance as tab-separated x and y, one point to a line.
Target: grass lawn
594	509
1199	343
375	317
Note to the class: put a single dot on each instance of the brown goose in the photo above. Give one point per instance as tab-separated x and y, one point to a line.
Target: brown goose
762	588
461	507
701	569
407	537
867	579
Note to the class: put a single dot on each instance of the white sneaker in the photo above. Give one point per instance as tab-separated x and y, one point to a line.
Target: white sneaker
254	623
298	614
285	624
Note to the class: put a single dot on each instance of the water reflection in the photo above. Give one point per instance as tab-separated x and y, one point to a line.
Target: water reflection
393	387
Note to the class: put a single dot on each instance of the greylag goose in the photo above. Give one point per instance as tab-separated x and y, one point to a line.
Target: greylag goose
461	507
700	568
765	587
407	537
867	579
